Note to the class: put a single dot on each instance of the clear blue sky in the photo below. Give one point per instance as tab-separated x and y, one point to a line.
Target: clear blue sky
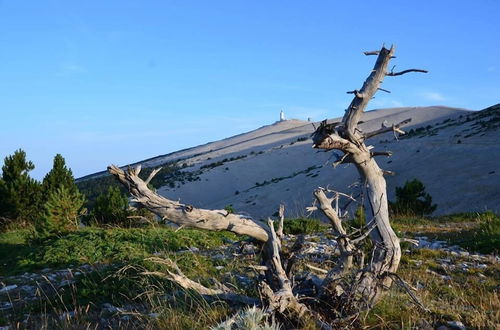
114	82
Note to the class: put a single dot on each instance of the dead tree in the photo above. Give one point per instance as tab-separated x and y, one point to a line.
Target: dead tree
350	286
347	137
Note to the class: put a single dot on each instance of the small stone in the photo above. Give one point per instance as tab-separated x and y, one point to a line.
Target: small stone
443	327
219	256
67	315
423	324
66	283
5	305
248	249
464	253
456	325
435	246
8	288
219	267
28	289
109	308
228	241
482	266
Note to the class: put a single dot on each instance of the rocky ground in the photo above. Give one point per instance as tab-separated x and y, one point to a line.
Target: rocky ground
29	295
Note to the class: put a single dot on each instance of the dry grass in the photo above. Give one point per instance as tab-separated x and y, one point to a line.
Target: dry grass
470	296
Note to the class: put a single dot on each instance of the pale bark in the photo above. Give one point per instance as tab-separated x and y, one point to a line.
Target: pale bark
278	292
186	215
348	137
177	276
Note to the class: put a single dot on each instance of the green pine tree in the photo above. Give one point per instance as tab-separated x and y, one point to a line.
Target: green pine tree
61	213
59	176
111	208
411	199
20	195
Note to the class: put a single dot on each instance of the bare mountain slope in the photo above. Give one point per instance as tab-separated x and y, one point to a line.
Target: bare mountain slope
454	152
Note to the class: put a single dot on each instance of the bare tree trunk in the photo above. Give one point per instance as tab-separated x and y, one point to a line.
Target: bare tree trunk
347	137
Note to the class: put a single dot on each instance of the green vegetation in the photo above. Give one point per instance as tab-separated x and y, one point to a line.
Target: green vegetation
110	208
62	201
229	208
222	162
96	245
119	260
59	176
294	174
61	213
120	255
479	232
302	226
468	296
20	195
411	199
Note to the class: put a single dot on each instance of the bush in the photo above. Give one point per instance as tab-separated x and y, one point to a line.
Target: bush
301	226
110	208
359	219
229	208
411	199
486	238
61	213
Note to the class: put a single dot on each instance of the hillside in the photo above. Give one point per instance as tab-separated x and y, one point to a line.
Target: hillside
452	151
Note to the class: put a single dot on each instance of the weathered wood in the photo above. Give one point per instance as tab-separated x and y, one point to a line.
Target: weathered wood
347	137
385	129
278	294
186	215
177	276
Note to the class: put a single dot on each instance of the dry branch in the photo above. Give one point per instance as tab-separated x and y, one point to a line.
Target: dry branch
178	277
392	74
282	298
152	175
385	129
186	215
